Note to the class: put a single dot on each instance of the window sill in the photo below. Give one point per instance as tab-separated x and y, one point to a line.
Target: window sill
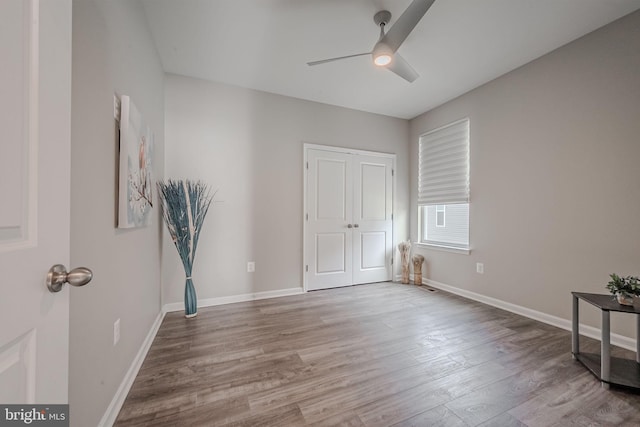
444	248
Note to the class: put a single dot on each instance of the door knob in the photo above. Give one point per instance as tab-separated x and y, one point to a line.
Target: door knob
349	226
58	276
356	225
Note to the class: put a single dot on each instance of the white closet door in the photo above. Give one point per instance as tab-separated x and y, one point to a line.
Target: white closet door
349	225
372	218
329	206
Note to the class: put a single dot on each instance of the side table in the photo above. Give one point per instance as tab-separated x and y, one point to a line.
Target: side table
609	370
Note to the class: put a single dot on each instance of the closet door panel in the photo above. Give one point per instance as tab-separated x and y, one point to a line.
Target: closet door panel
373	198
330	209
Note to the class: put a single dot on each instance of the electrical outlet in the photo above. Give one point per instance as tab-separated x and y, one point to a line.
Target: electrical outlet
251	267
116	332
479	268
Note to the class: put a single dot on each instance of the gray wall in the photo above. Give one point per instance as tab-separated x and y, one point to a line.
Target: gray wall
555	176
112	52
249	146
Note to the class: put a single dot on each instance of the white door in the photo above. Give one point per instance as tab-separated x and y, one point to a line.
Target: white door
330	209
35	86
348	238
372	219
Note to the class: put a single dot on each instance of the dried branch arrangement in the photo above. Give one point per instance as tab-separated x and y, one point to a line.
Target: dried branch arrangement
184	207
405	254
418	260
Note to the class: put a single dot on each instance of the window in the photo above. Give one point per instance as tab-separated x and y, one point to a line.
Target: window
443	186
440	215
455	232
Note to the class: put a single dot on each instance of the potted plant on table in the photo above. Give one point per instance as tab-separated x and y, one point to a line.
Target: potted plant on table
624	288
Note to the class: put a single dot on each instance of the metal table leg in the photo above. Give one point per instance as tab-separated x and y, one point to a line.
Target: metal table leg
575	333
638	338
605	353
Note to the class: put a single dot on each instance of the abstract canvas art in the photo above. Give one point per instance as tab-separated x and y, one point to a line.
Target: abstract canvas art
135	198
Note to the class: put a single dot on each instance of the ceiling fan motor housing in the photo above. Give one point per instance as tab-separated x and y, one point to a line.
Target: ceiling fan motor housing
382	18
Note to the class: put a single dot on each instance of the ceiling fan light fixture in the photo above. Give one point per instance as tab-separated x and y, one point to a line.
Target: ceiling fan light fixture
382	54
382	60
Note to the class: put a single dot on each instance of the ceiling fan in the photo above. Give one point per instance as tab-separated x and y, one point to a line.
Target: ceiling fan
384	52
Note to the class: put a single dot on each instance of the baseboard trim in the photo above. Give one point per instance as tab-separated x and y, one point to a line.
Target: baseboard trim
586	330
110	415
209	302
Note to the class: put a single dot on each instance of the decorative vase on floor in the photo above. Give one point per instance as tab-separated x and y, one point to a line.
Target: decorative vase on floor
417	269
405	252
184	206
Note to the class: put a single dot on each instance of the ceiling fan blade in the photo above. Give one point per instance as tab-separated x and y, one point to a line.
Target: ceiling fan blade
324	61
402	68
406	23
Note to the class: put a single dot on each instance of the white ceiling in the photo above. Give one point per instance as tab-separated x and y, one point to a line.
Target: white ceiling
457	46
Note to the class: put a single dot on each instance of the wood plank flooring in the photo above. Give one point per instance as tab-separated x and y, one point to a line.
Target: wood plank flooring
372	355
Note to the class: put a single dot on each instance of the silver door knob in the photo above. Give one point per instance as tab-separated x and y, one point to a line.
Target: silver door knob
349	226
58	276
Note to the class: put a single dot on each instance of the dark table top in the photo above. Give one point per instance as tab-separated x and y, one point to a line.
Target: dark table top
607	302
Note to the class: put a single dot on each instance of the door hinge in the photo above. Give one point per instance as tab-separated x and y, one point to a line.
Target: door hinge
391	217
392	172
307	165
307	217
306	268
391	260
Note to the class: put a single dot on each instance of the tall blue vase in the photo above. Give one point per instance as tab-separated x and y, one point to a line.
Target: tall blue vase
190	300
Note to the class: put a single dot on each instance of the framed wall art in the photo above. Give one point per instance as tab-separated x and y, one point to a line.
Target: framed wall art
135	195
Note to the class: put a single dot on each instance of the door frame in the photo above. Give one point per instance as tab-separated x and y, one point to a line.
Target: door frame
305	213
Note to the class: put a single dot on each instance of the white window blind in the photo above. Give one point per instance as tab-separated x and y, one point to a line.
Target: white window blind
443	169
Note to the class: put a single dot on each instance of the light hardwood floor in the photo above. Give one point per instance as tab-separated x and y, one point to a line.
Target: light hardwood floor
375	355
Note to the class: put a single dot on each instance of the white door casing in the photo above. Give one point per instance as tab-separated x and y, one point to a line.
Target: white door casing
35	85
348	217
